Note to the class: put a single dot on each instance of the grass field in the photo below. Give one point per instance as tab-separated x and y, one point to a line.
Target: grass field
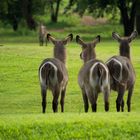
68	126
20	100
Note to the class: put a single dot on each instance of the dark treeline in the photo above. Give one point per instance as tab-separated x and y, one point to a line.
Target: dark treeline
13	11
129	11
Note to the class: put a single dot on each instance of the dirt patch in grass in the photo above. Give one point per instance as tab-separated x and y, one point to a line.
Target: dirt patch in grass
89	21
56	30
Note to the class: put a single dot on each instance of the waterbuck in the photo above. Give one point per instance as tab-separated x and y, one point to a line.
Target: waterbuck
122	72
53	74
93	76
42	35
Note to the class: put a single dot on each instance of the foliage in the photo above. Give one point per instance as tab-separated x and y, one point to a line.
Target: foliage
13	11
100	8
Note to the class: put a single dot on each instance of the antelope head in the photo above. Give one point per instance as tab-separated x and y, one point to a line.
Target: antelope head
59	46
124	42
88	49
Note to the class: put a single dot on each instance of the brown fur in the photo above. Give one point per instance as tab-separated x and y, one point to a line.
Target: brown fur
128	75
42	35
92	82
53	74
60	52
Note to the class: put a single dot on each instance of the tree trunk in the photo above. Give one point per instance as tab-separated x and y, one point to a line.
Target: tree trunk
138	16
11	16
27	13
15	23
138	23
133	15
54	12
128	22
57	9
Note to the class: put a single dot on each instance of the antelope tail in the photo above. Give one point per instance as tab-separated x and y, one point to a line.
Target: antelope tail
99	75
103	75
48	74
116	69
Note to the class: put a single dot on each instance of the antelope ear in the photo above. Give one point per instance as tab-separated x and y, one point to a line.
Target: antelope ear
68	39
79	41
116	36
97	39
132	36
50	38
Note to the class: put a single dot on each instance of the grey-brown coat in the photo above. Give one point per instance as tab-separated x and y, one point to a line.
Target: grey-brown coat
53	74
122	71
42	35
93	76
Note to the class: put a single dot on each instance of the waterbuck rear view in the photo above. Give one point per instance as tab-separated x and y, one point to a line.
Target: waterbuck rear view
42	35
122	72
53	74
93	76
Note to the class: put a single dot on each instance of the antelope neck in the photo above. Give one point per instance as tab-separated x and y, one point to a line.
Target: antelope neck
60	53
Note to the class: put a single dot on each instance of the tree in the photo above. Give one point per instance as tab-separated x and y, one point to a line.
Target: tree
138	16
10	13
127	9
128	15
29	9
28	14
13	11
54	9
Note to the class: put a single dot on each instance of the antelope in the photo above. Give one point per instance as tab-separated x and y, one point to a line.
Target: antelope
42	35
93	76
53	73
122	71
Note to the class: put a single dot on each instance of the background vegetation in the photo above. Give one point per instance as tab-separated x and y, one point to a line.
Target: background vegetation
14	12
20	99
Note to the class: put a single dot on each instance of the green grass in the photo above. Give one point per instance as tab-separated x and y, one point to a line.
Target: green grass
59	30
19	76
20	99
68	126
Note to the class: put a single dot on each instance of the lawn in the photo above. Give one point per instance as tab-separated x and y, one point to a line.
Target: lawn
20	99
70	126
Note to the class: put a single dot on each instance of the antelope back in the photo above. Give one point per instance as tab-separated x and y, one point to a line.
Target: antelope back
121	69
